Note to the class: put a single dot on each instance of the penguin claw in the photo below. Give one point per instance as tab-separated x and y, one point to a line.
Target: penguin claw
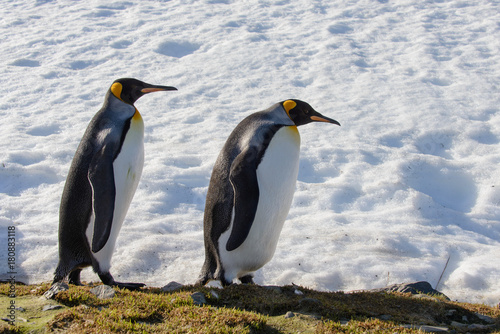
128	286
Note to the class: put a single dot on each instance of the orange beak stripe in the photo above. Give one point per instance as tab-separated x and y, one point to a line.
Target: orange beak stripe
319	119
150	90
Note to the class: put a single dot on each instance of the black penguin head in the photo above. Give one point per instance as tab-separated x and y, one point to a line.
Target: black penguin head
130	90
302	113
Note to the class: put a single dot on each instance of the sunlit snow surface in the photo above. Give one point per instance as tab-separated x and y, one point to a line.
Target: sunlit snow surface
410	179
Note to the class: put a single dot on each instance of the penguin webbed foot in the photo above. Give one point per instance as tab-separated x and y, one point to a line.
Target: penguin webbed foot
128	286
107	279
248	279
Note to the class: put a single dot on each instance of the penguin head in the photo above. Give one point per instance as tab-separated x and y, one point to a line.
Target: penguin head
302	113
130	90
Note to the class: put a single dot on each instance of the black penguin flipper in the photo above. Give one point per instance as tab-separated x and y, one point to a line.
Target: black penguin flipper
102	178
243	177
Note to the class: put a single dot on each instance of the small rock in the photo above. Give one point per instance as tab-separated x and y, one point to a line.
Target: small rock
19	308
214	284
6	319
298	292
464	318
198	298
172	286
55	289
413	288
22	319
51	307
428	329
214	294
103	292
289	314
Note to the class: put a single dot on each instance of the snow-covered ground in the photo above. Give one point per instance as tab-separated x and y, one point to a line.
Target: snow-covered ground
410	180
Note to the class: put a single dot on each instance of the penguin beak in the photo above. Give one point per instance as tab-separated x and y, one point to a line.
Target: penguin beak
157	89
321	118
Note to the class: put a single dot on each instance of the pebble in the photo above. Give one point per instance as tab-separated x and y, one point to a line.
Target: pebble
103	292
421	287
198	298
214	284
214	294
172	286
289	314
55	289
51	307
428	329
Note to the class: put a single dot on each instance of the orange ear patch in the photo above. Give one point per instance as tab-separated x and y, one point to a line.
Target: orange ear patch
116	89
289	105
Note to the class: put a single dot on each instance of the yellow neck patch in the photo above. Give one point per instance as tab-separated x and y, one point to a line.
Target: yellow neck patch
116	89
289	105
137	116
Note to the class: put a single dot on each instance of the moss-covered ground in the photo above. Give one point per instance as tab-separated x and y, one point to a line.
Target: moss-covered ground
239	309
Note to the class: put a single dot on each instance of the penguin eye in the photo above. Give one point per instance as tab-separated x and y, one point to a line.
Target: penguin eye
306	111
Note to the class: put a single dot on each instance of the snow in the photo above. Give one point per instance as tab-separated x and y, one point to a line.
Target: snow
409	180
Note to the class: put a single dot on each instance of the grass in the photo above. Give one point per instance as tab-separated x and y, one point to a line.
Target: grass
238	309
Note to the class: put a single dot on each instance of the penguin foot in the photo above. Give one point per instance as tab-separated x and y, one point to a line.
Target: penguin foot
128	286
248	279
107	279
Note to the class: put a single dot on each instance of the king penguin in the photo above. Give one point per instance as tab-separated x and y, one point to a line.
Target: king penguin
101	182
251	190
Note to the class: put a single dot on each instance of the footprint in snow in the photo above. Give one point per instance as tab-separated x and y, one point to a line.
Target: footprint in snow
177	49
25	63
43	130
339	28
437	81
121	44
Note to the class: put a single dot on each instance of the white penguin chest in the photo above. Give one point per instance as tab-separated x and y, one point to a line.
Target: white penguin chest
129	162
276	176
127	168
